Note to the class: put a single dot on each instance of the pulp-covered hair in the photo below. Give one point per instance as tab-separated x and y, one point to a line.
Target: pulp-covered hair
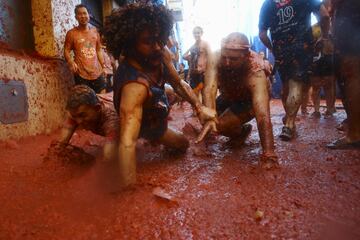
80	6
81	95
124	25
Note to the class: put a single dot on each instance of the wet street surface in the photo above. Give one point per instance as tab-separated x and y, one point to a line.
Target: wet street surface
215	191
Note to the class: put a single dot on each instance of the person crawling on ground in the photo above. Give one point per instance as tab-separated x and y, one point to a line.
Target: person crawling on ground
139	33
87	111
241	76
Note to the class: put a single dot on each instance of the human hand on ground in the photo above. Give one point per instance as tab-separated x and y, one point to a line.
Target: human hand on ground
127	177
57	145
269	160
205	114
209	126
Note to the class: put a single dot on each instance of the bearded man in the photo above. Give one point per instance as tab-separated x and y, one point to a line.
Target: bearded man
241	76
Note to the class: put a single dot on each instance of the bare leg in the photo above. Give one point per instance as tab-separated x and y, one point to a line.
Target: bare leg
316	99
293	102
350	67
305	98
174	139
330	92
284	92
230	124
351	70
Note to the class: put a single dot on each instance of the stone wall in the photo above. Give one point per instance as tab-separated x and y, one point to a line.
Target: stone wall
15	25
45	74
50	28
63	20
47	83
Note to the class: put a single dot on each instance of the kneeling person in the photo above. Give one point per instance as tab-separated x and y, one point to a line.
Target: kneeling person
241	77
139	92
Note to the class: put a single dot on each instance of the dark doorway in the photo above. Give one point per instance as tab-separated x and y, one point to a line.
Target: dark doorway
16	30
96	12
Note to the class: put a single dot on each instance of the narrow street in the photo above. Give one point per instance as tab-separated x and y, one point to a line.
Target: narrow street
214	191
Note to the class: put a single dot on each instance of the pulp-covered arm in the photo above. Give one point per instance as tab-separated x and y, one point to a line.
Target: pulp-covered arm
259	87
184	90
265	39
67	50
209	93
264	19
99	53
66	134
133	95
210	81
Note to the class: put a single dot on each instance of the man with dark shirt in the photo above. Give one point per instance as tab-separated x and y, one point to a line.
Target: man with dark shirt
289	22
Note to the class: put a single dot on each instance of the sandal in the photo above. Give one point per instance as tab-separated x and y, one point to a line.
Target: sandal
342	126
342	143
287	134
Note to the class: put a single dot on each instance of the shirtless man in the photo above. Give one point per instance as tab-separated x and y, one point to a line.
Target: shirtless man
139	94
197	57
241	76
88	62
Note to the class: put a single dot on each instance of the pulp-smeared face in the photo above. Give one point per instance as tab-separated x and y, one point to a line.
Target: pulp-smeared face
231	58
82	16
149	49
85	115
197	34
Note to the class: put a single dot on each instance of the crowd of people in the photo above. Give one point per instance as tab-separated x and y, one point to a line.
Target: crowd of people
137	59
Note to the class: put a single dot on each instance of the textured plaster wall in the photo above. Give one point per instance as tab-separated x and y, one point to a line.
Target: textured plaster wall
52	19
47	80
43	28
63	19
47	83
15	24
